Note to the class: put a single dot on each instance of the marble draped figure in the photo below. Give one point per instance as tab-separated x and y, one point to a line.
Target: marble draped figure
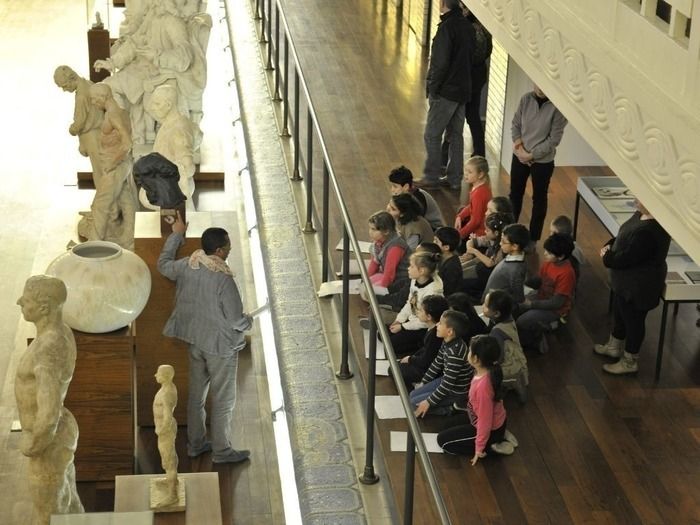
161	42
87	118
165	491
49	431
113	210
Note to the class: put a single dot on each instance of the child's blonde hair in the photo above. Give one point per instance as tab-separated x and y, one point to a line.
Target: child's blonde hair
427	260
481	165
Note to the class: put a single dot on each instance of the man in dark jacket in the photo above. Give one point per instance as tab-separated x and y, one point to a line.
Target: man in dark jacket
448	89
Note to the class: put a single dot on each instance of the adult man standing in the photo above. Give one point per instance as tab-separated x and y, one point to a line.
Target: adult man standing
87	118
448	89
537	129
209	316
49	430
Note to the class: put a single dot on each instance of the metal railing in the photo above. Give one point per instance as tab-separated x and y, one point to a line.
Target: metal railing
265	11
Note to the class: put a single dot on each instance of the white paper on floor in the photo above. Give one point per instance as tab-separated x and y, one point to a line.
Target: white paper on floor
389	407
336	287
380	346
364	246
353	267
382	368
398	442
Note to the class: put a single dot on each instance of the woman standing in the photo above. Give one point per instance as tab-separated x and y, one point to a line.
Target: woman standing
637	262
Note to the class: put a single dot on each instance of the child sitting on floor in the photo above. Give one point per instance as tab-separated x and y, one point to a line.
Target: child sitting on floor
447	380
486	429
450	269
413	367
401	181
389	263
555	289
470	219
498	308
407	330
509	274
563	226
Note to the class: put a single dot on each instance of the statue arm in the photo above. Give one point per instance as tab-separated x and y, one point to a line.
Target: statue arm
80	115
49	401
179	56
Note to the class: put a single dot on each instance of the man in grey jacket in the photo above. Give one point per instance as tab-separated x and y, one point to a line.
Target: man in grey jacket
209	316
537	130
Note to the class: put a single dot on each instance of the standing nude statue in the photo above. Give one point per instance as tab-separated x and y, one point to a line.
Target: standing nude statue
164	492
87	118
114	205
49	430
175	138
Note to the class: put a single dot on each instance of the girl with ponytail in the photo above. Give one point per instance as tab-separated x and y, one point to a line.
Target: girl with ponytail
486	429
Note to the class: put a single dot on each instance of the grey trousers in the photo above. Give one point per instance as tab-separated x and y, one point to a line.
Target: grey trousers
444	117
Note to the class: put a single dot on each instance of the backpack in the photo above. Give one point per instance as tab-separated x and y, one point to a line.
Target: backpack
513	361
483	44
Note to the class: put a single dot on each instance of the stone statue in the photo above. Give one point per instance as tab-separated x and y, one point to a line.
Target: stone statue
154	50
175	138
165	492
114	206
159	178
49	430
87	118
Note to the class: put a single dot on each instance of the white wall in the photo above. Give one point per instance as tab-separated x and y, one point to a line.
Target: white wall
573	149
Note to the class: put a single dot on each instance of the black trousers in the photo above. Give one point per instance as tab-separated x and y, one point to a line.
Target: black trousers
461	440
541	175
628	324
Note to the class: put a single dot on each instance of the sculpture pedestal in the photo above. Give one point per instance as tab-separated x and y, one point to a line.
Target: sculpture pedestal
104	518
203	500
158	488
101	399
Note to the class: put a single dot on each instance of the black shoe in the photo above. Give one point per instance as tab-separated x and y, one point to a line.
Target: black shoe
235	456
196	453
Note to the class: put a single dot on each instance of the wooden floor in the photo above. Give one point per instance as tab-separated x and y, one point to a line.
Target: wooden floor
39	207
593	448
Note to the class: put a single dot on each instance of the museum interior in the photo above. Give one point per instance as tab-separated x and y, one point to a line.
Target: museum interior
133	122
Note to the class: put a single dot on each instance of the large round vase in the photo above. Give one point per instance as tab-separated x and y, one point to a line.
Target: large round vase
108	286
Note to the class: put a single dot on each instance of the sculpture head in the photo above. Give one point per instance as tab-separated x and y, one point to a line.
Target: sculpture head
42	296
165	374
66	78
99	94
163	101
159	178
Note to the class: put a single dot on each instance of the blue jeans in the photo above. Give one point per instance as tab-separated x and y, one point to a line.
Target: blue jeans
218	374
444	117
423	392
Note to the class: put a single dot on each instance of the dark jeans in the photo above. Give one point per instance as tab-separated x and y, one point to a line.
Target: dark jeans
473	115
628	324
406	342
461	440
541	175
444	116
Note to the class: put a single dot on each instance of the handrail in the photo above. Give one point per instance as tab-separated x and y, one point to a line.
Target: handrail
349	239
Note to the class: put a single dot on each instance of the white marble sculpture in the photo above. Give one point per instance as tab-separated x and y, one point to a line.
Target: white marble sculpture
167	494
163	44
87	118
49	430
113	210
175	138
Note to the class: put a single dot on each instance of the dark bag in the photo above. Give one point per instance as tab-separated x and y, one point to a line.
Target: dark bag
483	44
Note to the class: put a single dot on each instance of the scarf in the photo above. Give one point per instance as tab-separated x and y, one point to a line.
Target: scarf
211	262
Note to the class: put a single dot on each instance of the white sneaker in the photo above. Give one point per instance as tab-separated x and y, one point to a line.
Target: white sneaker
510	438
504	448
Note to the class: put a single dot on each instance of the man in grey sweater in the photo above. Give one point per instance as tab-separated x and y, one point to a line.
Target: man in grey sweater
209	316
537	130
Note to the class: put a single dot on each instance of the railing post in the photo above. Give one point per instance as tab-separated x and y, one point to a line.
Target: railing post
409	479
369	477
344	372
325	224
276	96
309	226
296	175
262	24
269	35
257	10
285	91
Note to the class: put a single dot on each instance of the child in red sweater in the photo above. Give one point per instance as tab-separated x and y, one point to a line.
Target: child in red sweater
486	429
470	219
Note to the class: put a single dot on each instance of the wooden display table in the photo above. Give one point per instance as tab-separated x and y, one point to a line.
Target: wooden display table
203	501
101	398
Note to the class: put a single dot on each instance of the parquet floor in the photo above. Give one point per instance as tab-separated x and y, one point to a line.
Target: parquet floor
593	448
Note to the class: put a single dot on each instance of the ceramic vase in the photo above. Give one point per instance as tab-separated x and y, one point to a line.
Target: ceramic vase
108	286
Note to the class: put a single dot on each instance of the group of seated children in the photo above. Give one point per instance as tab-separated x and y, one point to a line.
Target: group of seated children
447	361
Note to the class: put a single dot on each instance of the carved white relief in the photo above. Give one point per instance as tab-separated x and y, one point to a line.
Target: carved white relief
666	166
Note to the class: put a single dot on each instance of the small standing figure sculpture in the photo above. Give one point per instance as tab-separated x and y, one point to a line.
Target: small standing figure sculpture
166	493
49	430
